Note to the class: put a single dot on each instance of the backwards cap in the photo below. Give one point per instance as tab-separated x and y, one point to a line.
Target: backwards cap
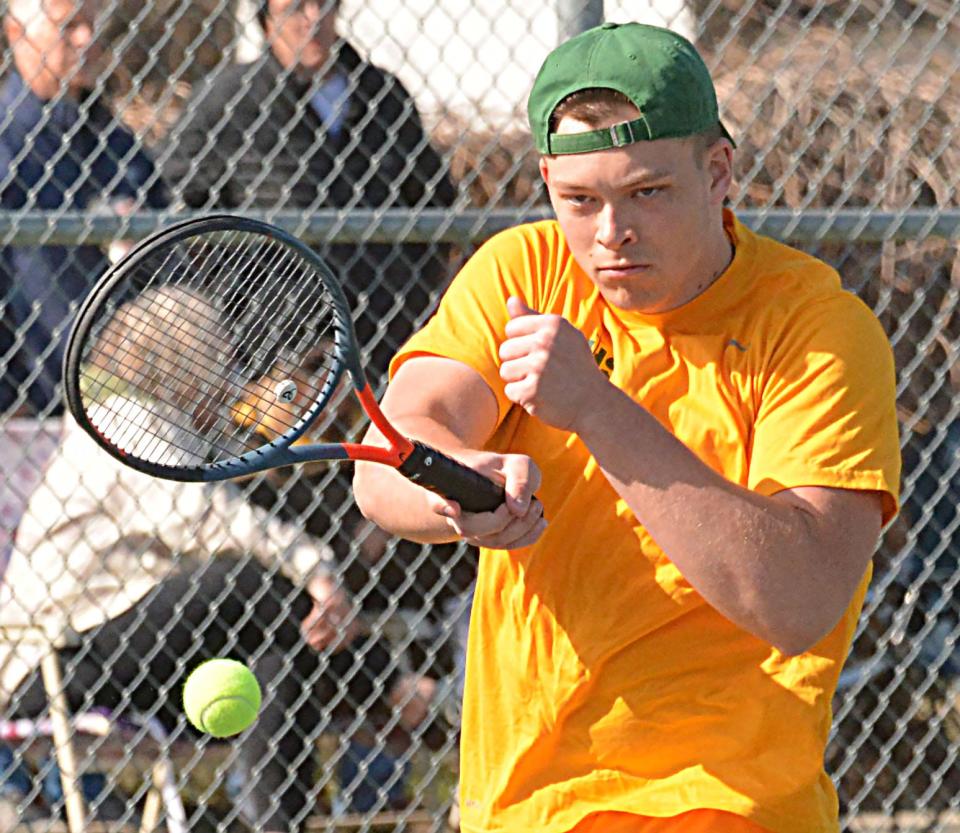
658	70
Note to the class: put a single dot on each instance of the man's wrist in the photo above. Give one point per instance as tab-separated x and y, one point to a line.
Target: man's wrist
594	416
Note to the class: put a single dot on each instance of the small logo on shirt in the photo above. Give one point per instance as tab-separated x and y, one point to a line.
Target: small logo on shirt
602	357
734	343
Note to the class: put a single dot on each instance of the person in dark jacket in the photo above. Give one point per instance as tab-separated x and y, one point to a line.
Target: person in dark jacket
313	125
60	148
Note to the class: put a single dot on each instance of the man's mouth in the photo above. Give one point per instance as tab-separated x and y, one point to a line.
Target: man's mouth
622	270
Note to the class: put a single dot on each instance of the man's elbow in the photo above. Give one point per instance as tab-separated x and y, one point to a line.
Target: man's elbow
802	631
364	494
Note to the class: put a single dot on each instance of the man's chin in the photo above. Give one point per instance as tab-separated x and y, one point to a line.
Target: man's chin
313	65
626	299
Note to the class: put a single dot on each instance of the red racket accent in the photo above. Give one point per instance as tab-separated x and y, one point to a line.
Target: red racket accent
400	447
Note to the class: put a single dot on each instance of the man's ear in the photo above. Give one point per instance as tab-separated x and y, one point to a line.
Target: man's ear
543	169
719	164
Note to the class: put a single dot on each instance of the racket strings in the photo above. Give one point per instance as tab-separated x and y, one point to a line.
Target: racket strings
209	347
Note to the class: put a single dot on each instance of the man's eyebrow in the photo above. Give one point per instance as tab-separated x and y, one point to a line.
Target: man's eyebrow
647	176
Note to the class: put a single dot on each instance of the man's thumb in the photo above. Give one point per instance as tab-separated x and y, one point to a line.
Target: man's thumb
516	307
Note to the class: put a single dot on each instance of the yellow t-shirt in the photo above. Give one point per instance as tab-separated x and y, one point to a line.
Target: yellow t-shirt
597	677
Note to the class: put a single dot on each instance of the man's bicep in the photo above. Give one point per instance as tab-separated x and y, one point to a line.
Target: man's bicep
434	389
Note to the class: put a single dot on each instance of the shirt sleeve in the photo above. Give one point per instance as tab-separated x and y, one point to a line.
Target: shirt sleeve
470	320
827	406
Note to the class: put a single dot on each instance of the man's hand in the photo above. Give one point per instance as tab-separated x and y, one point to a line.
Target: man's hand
332	622
518	522
548	367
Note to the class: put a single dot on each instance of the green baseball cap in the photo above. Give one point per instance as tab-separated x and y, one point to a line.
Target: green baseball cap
658	70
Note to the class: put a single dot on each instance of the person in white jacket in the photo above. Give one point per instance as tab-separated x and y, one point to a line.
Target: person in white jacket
141	579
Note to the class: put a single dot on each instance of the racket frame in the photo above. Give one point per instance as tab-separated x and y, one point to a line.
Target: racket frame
415	460
281	451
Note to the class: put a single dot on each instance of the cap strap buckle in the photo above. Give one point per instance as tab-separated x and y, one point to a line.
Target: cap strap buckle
622	134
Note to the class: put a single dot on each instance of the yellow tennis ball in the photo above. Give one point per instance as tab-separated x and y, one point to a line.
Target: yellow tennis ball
221	697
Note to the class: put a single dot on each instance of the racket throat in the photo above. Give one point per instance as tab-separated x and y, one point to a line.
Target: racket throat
394	438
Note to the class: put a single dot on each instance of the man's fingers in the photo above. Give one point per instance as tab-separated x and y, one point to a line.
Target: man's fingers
514	371
479	523
517	531
513	537
528	538
517	347
522	479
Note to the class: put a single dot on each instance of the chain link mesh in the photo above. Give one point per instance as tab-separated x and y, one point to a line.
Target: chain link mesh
396	155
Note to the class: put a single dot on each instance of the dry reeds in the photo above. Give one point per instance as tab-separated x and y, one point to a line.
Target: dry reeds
822	125
492	167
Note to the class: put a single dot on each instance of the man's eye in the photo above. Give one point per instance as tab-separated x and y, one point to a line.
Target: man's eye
578	199
646	193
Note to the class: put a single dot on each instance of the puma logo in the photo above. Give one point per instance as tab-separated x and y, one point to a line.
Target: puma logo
734	343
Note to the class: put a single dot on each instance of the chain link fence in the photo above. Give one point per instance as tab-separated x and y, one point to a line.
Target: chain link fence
390	133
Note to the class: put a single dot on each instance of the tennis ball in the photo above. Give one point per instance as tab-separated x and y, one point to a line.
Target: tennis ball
221	697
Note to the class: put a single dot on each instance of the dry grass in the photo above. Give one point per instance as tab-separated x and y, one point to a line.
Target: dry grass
821	126
494	168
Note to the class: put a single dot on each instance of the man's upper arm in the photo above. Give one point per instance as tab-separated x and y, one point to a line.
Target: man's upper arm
847	523
445	391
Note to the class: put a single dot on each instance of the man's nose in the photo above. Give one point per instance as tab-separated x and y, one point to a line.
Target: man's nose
614	229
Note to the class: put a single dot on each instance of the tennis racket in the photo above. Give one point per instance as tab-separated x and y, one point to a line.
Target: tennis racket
216	349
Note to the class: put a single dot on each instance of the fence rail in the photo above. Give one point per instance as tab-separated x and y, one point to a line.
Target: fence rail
432	225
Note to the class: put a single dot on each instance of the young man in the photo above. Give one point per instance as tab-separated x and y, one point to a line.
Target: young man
696	433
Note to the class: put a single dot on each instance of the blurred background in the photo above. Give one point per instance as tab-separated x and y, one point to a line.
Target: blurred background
391	134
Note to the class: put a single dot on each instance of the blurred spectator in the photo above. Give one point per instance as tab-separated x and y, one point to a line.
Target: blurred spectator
428	584
149	574
314	125
60	148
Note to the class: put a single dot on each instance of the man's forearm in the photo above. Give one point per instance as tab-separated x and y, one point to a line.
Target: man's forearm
765	563
395	503
425	401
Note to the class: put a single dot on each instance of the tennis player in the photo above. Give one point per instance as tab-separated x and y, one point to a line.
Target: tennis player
695	428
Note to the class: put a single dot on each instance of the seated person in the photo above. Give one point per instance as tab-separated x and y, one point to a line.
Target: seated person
155	576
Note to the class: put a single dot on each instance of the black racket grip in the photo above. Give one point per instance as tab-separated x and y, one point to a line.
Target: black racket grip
433	470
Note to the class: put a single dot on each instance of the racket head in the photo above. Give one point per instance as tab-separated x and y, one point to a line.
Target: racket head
210	350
